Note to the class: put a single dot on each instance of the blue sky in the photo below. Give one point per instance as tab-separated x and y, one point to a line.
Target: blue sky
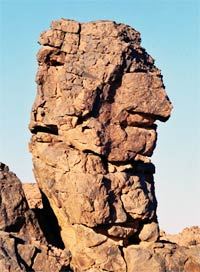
170	32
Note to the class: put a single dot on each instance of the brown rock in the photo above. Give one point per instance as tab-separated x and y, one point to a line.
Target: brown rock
8	258
140	259
23	246
12	205
161	257
18	255
99	95
188	237
149	232
92	124
33	195
192	266
15	215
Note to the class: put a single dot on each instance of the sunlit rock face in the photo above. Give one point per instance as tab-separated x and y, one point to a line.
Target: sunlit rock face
93	131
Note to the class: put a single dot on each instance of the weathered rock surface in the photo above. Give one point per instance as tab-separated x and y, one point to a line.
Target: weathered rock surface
33	195
23	246
161	257
177	252
20	251
18	255
93	126
15	216
92	123
93	131
188	237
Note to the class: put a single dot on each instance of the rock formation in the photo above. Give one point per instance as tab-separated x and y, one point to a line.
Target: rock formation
23	246
188	237
179	252
99	95
93	131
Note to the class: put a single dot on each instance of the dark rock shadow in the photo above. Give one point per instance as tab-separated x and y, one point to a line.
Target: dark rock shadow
49	223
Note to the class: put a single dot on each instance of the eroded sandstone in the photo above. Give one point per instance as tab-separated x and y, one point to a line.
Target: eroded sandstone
93	131
23	245
190	236
33	195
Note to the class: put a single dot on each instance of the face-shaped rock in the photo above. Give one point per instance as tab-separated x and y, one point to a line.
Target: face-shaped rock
99	95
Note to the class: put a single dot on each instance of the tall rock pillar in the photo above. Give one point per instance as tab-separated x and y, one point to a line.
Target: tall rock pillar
93	131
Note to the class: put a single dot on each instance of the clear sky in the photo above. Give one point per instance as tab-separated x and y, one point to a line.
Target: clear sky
170	31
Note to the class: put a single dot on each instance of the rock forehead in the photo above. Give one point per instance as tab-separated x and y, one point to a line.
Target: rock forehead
92	123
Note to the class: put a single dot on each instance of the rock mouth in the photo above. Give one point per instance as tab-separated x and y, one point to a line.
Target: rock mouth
114	143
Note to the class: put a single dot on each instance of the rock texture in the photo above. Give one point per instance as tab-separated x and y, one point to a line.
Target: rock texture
15	216
188	237
23	246
178	252
162	257
93	130
33	195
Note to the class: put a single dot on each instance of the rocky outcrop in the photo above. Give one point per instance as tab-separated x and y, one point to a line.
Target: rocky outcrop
177	252
15	216
188	237
23	246
93	130
162	256
18	255
28	250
